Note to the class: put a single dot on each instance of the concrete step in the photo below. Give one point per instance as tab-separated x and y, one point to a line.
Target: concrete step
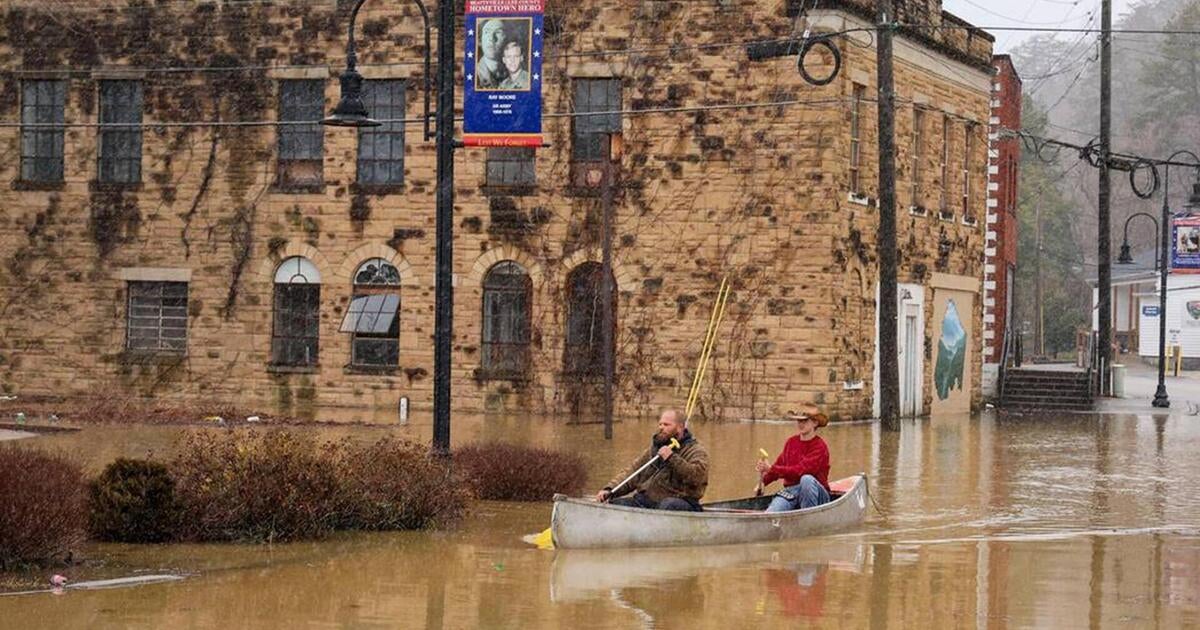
1047	406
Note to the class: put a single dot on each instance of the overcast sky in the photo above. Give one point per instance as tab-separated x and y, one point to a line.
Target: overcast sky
1029	14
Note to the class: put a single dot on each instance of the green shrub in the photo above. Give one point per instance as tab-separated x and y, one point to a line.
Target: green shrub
259	487
393	484
42	507
508	472
133	500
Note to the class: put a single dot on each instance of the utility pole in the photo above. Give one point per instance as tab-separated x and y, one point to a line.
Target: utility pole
1039	335
889	369
443	326
1104	253
606	296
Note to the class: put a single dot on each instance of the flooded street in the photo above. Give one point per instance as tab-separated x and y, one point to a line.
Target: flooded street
1072	522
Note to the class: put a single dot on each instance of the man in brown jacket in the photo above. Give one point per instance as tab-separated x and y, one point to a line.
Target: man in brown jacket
676	481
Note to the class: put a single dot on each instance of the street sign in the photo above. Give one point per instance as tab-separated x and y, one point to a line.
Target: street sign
1185	249
1150	311
502	99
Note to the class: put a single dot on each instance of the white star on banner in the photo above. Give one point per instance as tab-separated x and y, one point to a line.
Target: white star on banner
470	77
470	31
537	53
537	77
537	31
470	54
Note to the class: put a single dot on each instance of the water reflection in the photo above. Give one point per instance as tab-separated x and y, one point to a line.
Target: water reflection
991	522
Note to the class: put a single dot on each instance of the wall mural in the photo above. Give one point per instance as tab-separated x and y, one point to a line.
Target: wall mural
952	352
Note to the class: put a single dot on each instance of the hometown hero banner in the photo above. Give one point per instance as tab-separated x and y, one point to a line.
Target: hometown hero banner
1185	254
502	99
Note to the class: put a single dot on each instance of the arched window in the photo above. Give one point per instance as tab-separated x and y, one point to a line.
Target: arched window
583	352
373	319
506	314
295	335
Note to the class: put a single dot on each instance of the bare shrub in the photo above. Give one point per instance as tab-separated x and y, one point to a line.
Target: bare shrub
250	486
508	472
394	484
42	507
133	500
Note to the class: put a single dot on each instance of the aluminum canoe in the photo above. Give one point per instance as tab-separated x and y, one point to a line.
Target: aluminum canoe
585	524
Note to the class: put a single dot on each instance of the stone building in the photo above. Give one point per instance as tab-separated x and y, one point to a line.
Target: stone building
1000	255
174	225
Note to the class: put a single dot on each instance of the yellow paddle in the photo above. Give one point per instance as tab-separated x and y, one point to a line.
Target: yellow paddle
762	457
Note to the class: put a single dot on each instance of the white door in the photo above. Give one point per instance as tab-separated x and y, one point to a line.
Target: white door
910	364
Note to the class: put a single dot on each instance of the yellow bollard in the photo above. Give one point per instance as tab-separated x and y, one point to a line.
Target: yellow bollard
1177	352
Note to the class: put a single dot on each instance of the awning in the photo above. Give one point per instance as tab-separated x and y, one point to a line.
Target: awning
371	314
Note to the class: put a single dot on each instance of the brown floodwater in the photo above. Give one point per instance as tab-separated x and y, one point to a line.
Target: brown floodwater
988	522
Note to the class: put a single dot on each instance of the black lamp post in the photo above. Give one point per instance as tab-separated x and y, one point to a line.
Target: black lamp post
1126	258
351	112
1160	395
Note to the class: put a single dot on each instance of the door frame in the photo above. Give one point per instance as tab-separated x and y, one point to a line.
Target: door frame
909	296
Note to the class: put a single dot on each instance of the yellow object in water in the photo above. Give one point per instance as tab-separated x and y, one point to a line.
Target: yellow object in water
543	540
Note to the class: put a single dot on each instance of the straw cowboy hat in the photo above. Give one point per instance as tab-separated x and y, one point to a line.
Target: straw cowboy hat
809	411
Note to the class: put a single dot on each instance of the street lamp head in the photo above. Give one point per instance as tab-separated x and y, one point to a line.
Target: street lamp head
350	110
1193	204
1125	258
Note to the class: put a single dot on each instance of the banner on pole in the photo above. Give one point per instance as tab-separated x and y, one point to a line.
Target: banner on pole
1185	248
502	99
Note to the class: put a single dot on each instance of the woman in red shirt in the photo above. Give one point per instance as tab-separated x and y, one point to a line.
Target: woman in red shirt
803	465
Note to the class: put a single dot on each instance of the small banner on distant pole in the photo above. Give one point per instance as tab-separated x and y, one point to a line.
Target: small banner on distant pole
502	99
1185	251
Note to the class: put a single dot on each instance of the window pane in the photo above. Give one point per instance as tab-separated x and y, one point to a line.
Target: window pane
297	322
381	149
301	100
510	166
42	102
120	147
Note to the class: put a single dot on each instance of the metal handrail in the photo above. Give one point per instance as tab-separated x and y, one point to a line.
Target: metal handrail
1094	382
1005	351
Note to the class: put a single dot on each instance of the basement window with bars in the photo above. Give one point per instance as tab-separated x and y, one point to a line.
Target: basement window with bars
42	109
120	160
507	289
301	146
295	334
381	149
373	319
156	318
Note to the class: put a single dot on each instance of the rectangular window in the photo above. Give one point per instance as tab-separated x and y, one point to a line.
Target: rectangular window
381	149
856	139
42	103
301	146
120	159
918	155
590	135
1011	193
156	317
296	333
944	205
968	146
510	167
